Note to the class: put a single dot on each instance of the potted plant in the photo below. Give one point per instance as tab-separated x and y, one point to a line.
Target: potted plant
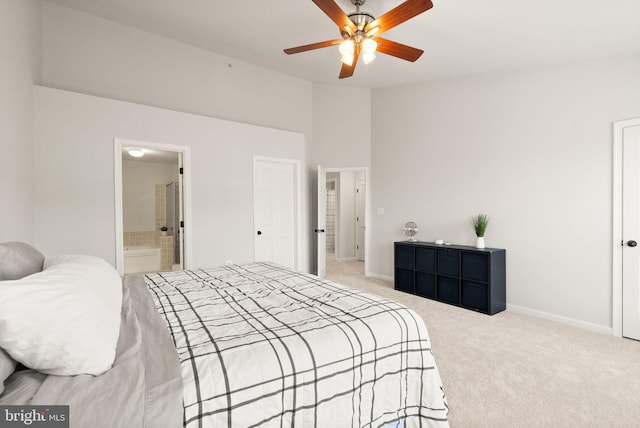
480	223
164	229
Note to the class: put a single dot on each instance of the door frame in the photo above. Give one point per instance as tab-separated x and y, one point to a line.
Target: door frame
364	204
297	168
321	223
118	145
617	247
367	210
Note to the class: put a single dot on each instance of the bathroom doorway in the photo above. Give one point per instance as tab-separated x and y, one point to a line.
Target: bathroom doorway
345	216
151	205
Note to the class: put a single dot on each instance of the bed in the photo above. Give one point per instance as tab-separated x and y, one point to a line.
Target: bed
247	345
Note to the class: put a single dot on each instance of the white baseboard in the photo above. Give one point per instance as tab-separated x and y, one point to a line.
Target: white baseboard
379	276
596	328
346	259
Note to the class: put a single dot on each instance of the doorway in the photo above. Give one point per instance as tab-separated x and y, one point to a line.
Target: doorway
343	215
626	225
152	206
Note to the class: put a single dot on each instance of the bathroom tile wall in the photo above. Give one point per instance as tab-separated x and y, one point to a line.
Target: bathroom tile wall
166	252
140	239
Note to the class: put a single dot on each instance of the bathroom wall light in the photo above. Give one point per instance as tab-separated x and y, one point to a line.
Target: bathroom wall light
136	153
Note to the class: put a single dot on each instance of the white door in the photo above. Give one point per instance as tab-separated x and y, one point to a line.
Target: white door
179	246
274	196
631	232
360	218
322	220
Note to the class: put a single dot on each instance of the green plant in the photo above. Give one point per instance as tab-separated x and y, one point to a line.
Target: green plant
480	223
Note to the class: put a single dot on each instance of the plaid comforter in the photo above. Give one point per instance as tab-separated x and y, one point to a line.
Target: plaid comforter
261	345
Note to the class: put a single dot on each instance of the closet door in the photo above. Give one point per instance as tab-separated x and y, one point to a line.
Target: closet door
274	187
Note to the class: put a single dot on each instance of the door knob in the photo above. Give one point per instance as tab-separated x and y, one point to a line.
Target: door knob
632	243
318	230
259	232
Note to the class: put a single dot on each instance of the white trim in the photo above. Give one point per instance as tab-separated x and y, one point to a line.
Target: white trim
320	246
616	256
118	145
357	198
298	203
347	259
119	238
596	328
380	276
367	211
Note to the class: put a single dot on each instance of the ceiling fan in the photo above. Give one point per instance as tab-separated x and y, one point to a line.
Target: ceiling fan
360	33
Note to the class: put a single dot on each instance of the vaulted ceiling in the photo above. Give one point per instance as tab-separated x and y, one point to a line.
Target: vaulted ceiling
459	37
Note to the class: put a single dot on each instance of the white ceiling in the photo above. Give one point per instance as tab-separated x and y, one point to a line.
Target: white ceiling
151	156
459	37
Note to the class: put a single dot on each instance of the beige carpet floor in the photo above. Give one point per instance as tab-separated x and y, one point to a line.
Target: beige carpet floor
513	370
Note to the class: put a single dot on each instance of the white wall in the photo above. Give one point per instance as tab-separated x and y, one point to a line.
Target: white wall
341	138
139	179
341	126
533	150
74	179
95	56
91	55
87	54
20	50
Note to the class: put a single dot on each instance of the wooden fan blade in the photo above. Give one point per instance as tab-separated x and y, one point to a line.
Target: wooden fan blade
337	15
398	50
347	70
398	15
312	46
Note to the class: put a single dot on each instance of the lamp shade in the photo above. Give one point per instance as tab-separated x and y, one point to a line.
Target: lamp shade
347	59
369	46
347	47
367	57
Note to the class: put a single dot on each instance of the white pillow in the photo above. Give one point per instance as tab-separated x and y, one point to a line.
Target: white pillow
64	320
7	365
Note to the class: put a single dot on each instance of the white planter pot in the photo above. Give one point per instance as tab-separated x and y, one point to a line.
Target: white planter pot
480	242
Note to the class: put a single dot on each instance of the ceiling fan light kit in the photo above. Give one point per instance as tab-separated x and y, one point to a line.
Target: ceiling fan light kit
347	47
360	31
